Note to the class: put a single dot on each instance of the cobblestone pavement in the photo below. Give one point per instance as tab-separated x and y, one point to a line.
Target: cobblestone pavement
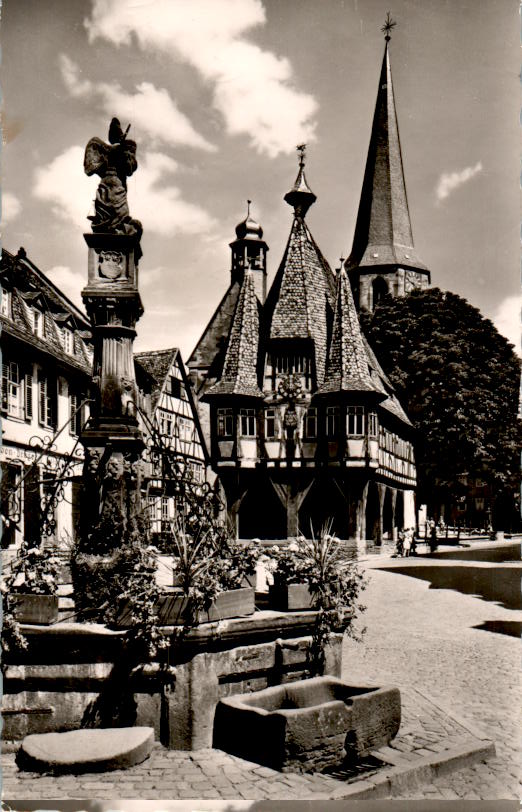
417	638
426	731
426	638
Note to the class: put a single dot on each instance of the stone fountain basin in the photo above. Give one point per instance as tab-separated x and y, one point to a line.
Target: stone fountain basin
307	725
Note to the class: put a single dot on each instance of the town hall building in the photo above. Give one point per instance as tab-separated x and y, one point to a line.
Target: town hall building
304	425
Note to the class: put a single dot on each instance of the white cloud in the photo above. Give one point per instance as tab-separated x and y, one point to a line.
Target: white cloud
507	320
150	108
157	204
69	282
11	207
253	88
79	88
448	182
64	184
160	206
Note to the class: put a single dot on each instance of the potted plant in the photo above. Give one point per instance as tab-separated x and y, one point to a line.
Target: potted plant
30	585
333	580
209	575
290	590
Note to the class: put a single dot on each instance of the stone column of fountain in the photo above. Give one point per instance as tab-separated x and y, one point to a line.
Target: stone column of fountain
112	438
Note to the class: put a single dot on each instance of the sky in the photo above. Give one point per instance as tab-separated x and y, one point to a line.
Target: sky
218	94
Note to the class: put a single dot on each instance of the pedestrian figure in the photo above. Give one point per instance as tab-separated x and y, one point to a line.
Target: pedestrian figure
408	536
433	537
413	550
400	543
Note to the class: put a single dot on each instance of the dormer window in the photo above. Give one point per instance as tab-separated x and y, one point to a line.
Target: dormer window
5	304
68	340
37	322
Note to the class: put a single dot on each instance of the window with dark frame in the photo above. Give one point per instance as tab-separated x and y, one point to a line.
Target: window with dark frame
372	424
270	423
332	421
47	400
310	425
76	412
248	422
17	390
225	422
355	421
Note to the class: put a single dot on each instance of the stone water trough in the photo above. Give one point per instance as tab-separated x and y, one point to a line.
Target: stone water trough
308	725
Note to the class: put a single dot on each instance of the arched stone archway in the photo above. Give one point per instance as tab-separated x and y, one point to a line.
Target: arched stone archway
380	289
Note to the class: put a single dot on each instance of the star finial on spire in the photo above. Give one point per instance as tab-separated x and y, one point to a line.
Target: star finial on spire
301	149
389	24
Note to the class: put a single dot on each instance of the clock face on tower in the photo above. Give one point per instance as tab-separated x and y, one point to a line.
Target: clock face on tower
413	280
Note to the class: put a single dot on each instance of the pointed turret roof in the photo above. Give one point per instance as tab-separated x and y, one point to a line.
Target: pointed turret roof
239	375
347	369
303	291
383	233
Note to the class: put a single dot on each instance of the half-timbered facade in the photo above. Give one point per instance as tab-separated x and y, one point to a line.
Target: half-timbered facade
175	419
304	424
46	374
45	397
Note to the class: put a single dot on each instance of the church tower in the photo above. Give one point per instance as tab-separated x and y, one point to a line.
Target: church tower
249	253
383	259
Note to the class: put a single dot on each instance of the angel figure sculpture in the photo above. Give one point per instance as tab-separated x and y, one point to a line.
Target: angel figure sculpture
114	163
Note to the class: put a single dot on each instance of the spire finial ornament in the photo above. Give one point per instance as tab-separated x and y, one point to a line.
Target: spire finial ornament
301	149
389	24
248	207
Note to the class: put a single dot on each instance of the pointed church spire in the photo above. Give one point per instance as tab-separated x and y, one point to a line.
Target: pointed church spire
383	234
300	195
239	375
348	368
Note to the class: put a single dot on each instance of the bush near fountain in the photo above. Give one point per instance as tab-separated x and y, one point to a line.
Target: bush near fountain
308	725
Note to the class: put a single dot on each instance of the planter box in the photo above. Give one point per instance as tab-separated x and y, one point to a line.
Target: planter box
290	597
39	610
173	608
307	725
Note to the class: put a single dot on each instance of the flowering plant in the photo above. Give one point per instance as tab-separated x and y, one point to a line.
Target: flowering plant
333	578
205	565
33	571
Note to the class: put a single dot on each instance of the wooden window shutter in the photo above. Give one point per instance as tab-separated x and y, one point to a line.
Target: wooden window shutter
73	405
29	394
42	389
5	385
52	402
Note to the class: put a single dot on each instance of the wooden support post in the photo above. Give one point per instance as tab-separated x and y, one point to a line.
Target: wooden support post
292	496
381	490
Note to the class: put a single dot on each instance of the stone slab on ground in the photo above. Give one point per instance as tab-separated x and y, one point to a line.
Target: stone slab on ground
82	751
429	744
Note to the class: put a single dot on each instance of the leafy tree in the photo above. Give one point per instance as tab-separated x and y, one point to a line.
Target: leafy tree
458	380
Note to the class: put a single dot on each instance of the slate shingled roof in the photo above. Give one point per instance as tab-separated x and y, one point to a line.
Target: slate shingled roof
383	233
302	296
239	376
209	353
347	369
157	364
